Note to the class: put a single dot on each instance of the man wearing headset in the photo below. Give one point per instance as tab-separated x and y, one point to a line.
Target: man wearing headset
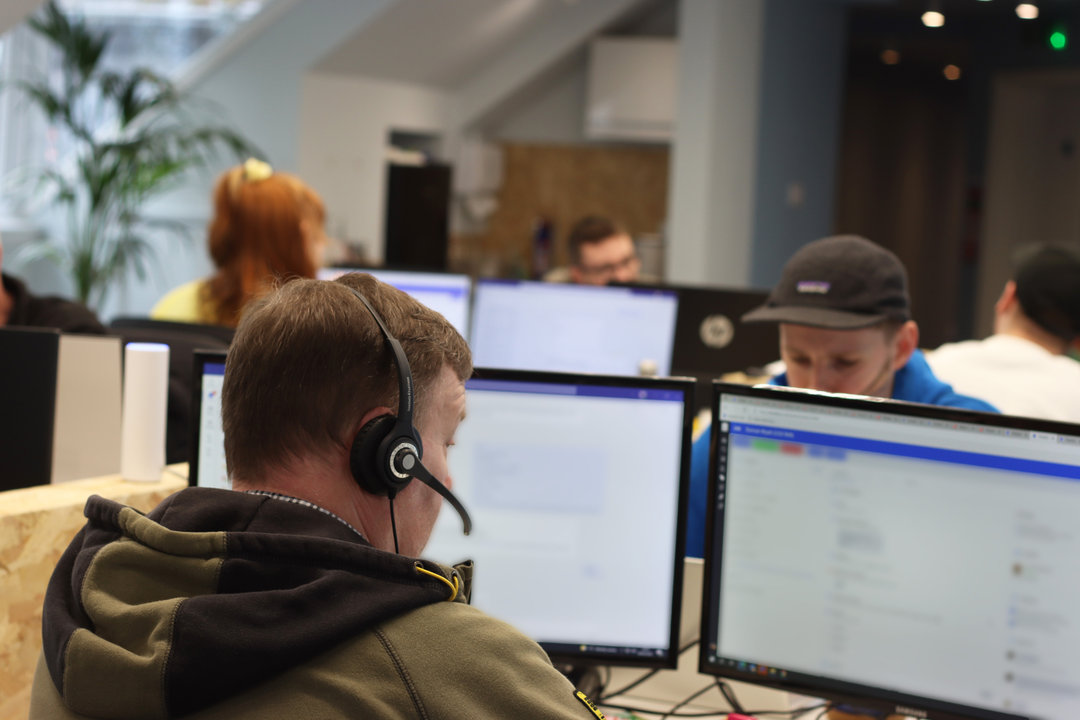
298	593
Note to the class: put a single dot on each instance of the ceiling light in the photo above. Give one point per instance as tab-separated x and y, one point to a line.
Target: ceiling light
951	72
1027	11
934	19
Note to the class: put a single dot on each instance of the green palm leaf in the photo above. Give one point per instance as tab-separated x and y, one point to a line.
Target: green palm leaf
155	136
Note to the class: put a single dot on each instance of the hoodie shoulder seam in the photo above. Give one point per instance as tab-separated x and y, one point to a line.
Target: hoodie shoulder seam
402	672
168	656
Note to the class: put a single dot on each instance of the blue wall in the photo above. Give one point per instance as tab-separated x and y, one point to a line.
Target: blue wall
798	131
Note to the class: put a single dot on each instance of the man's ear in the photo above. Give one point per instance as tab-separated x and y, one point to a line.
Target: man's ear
368	417
905	343
1007	298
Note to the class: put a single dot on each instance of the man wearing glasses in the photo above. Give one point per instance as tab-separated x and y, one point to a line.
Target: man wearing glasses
601	252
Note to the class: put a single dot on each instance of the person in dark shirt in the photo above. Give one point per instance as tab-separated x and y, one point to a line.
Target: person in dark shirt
21	308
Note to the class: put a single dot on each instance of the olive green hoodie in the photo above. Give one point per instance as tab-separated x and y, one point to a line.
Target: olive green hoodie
221	604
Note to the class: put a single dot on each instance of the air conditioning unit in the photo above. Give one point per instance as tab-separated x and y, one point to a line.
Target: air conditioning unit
632	89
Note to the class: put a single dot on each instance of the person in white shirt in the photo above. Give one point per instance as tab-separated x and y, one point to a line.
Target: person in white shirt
1024	368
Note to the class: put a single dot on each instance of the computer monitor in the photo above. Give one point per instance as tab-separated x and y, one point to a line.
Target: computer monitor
576	487
527	325
711	339
446	293
905	558
206	468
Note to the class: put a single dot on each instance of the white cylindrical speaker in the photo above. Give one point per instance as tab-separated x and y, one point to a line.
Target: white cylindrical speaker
146	392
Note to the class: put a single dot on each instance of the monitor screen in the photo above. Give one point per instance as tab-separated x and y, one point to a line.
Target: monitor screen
906	558
525	325
575	485
207	465
445	293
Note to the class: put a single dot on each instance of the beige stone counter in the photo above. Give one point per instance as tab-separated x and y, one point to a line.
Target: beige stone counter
36	525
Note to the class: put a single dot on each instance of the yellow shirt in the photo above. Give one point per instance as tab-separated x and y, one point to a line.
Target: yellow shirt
183	304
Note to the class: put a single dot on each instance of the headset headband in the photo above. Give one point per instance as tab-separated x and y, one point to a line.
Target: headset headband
404	435
405	386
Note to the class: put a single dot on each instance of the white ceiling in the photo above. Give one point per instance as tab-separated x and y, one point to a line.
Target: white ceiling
440	43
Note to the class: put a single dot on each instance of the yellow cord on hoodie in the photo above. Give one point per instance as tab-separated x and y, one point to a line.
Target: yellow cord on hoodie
454	586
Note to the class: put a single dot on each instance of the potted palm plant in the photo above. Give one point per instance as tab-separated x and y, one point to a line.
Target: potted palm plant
134	136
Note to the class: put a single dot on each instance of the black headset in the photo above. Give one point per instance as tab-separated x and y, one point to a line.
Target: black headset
385	455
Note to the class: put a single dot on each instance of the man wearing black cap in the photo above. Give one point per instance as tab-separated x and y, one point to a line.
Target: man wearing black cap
845	326
1023	367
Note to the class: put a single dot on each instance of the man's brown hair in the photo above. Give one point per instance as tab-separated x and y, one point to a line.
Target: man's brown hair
308	361
590	229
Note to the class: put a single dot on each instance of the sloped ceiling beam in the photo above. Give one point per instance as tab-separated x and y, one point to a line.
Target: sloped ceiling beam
562	33
12	12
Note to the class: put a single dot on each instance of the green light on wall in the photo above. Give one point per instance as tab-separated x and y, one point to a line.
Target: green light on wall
1058	39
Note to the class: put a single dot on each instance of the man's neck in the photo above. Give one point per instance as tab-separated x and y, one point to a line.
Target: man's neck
329	486
306	503
1021	326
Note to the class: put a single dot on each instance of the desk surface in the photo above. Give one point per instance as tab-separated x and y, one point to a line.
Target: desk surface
36	525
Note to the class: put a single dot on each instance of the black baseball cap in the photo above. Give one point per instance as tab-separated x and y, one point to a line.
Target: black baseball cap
843	282
1047	281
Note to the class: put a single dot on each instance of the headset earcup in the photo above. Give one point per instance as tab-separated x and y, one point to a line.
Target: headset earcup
368	468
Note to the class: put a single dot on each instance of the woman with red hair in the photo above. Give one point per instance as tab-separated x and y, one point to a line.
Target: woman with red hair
268	227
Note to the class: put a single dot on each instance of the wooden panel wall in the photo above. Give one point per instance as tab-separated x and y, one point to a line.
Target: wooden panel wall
563	183
901	183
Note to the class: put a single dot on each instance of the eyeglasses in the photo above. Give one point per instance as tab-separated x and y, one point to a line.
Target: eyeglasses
608	269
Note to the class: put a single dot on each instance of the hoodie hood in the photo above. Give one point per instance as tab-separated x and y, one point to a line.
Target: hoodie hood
212	593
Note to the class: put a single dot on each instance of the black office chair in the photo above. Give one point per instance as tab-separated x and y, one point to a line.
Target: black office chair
183	340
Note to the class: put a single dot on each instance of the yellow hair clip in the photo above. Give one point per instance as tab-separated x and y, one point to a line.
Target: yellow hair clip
255	170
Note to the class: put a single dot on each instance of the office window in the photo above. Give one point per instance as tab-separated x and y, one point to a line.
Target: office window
162	36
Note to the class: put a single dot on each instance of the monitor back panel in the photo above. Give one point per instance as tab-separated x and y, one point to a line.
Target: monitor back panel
711	339
61	395
28	369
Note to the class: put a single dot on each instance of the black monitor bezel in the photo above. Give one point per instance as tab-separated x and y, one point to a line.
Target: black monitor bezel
200	358
670	659
877	699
